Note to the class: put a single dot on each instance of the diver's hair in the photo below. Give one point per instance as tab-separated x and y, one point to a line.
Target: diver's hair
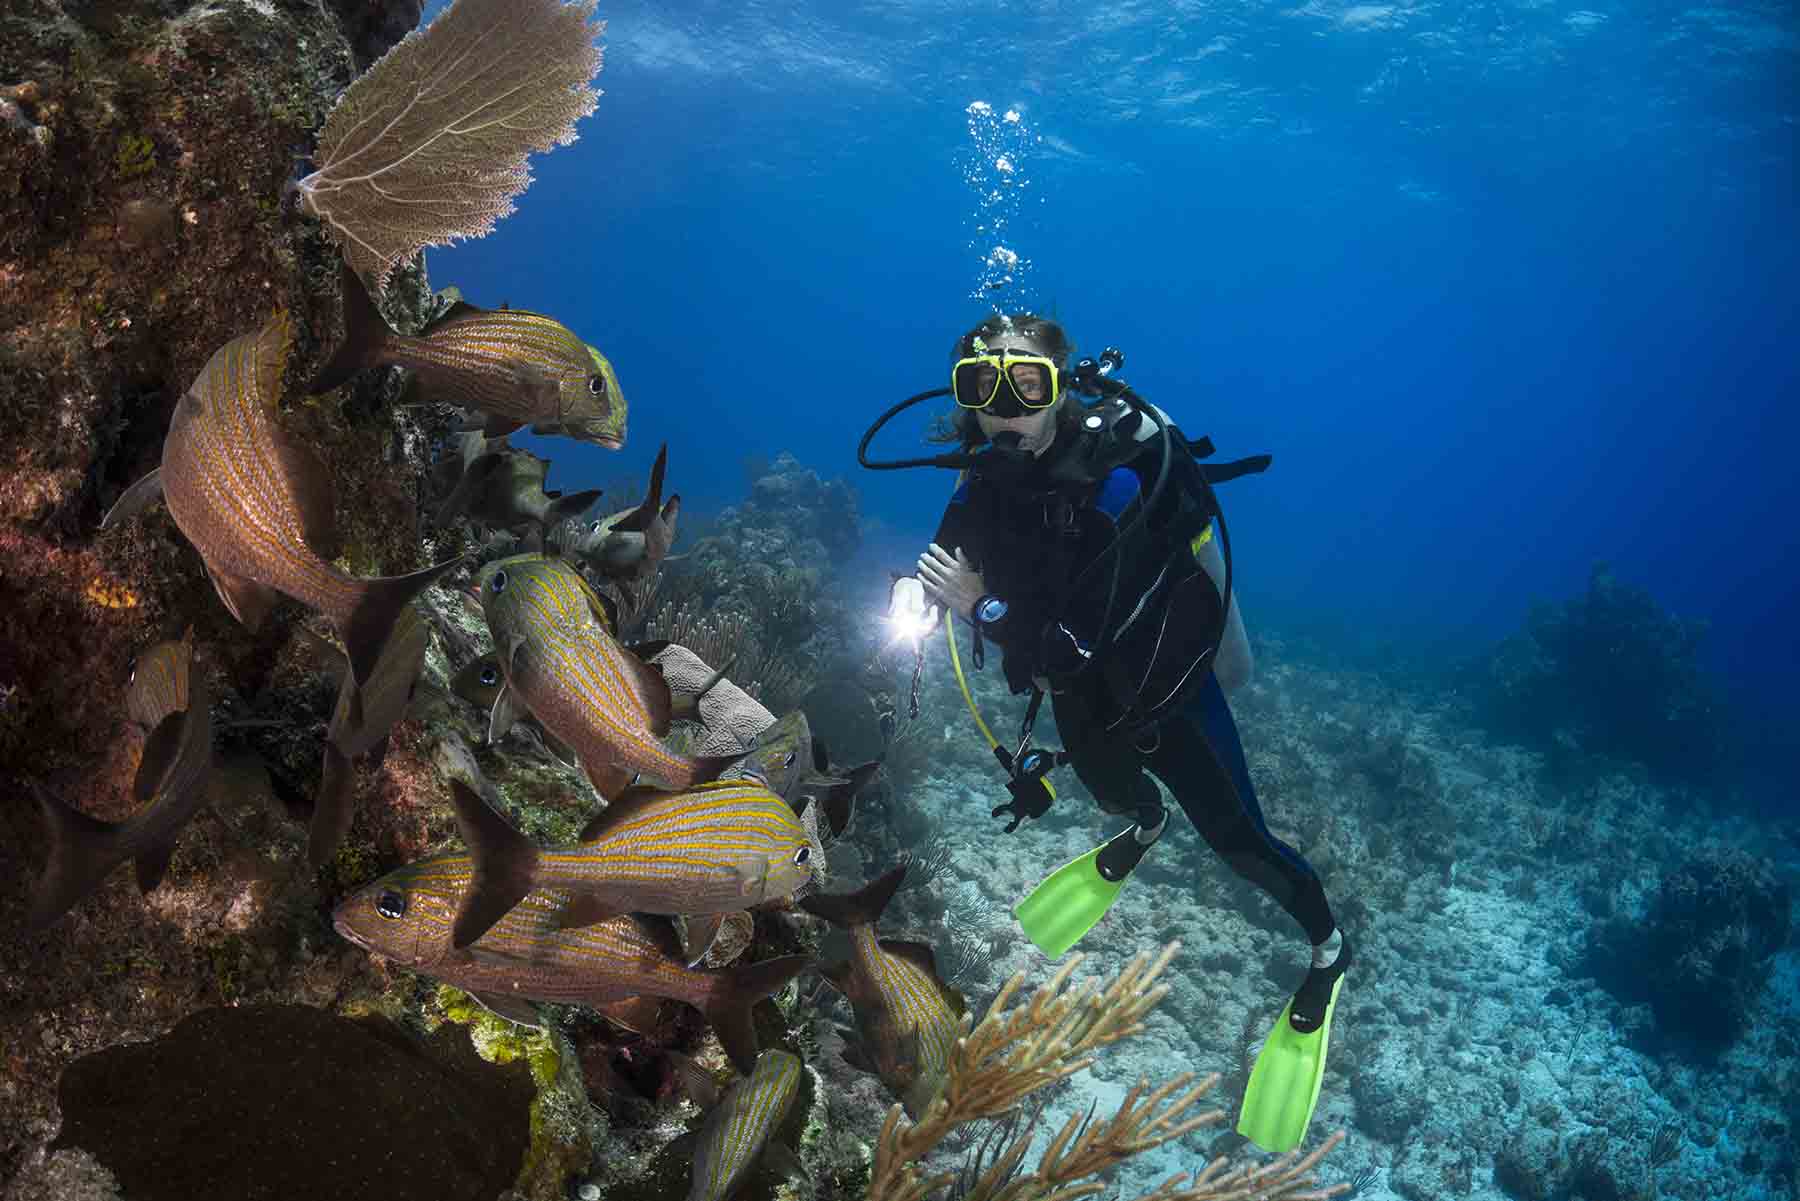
959	425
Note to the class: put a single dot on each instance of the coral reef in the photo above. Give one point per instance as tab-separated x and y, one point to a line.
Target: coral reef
1699	952
1609	673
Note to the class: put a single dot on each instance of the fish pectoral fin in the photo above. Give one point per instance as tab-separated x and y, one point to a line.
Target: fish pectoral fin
837	975
915	953
247	600
152	865
161	749
494	426
504	715
514	1009
308	476
701	1086
853	1052
610	780
135	499
698	933
653	691
585	909
780	1159
909	1045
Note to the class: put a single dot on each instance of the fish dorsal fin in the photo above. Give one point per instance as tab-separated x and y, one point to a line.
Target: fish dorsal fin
161	749
639	519
585	909
603	607
915	953
459	310
649	650
314	497
626	803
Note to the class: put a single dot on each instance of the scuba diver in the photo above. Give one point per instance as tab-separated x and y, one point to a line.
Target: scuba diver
1084	540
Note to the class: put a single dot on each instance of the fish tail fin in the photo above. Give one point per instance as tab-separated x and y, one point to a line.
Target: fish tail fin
738	991
331	810
83	850
374	611
860	908
573	505
506	865
365	332
639	519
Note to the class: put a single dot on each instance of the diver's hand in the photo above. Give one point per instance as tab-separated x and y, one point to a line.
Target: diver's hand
910	615
950	580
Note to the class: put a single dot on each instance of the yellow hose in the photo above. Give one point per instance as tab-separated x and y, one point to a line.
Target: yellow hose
962	682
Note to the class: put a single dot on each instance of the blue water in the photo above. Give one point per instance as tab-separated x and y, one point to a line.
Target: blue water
1505	289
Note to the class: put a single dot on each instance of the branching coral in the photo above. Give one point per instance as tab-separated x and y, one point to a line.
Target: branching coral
1016	1051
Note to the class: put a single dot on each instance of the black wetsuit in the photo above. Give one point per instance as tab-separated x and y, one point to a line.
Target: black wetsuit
1031	540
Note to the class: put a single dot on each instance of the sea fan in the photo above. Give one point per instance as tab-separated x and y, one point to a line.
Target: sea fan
430	144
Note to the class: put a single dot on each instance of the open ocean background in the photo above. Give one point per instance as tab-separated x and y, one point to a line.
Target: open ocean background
1506	289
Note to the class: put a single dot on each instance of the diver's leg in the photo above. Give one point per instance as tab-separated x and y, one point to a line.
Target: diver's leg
1197	753
1108	765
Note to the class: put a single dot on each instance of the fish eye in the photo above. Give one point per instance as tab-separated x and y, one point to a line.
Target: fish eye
595	528
597	385
498	583
490	676
391	905
801	856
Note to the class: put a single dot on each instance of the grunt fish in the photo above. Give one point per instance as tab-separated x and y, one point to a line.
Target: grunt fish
720	847
480	682
384	700
553	637
631	544
907	1018
529	955
739	1125
504	487
782	755
258	506
168	698
518	368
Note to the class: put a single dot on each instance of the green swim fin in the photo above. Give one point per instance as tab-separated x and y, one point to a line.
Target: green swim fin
1058	912
1284	1084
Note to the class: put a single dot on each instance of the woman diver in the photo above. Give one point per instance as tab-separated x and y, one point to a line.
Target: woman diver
1088	554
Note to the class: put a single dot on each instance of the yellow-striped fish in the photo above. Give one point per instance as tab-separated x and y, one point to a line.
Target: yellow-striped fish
907	1018
738	1128
554	641
258	506
168	698
713	849
480	682
519	368
384	700
528	956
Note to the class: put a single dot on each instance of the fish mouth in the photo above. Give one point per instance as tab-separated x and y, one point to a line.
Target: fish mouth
348	934
610	441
